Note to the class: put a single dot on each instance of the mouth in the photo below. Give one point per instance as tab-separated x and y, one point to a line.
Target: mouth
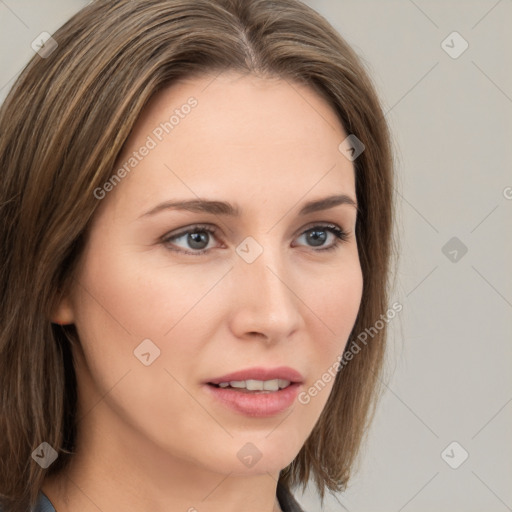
257	392
259	379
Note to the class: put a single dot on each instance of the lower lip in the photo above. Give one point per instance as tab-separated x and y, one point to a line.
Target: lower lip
256	404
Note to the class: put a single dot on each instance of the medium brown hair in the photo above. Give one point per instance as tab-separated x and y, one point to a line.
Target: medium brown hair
62	127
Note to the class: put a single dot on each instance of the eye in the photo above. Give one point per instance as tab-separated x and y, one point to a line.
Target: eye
318	234
196	238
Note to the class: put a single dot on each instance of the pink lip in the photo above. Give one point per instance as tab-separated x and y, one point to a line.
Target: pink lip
260	373
258	403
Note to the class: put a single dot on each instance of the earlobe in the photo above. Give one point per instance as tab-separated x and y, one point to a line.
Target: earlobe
63	313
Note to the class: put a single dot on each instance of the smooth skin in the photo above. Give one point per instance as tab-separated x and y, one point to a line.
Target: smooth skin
150	437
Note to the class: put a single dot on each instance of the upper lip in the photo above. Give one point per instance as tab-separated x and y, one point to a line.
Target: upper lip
260	373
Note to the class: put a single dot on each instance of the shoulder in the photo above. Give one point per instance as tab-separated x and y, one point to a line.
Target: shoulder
286	500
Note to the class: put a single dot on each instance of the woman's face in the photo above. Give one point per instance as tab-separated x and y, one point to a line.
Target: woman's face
161	311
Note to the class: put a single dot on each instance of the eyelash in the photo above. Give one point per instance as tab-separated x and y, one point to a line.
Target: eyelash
340	234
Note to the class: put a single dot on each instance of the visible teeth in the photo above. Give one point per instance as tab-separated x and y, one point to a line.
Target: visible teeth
254	385
257	385
271	385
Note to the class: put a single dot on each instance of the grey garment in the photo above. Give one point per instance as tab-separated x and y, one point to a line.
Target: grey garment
43	504
286	500
284	496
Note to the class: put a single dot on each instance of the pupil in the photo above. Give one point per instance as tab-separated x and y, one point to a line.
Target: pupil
317	237
198	238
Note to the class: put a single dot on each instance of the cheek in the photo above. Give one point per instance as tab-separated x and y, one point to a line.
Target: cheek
336	305
123	301
138	298
336	301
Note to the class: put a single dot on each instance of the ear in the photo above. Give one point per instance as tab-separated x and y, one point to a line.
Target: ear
63	313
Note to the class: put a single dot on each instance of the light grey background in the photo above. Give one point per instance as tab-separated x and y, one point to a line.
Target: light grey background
449	375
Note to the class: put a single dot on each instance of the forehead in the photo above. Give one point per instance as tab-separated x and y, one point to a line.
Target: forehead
234	134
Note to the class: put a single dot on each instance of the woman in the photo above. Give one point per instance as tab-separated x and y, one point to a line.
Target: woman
196	225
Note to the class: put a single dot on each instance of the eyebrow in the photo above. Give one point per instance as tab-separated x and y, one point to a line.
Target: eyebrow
224	208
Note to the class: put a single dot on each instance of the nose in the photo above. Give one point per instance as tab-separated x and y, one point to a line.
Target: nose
266	303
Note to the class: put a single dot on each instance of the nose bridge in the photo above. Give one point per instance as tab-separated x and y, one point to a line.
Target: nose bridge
266	300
